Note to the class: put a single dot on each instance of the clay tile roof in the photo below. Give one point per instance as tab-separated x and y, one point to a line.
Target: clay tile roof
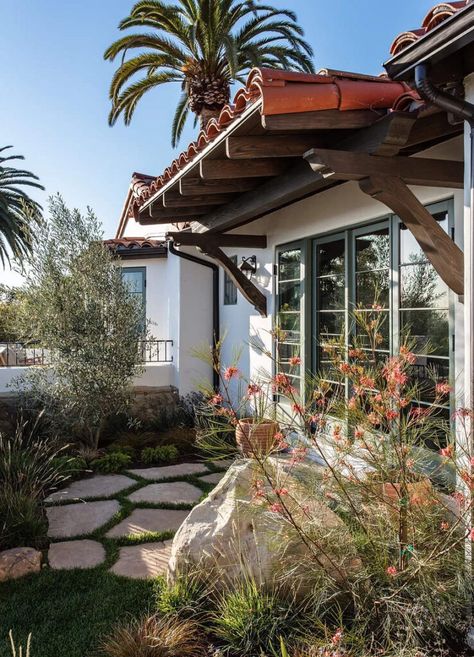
433	18
129	246
279	92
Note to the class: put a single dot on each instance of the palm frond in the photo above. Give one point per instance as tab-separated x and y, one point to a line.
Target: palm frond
19	214
179	119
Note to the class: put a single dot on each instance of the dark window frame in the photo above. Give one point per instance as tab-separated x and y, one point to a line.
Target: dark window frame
142	271
309	245
294	246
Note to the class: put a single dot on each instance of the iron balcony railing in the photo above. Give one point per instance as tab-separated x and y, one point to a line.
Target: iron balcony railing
156	351
16	354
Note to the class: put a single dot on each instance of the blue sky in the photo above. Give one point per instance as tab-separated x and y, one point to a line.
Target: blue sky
54	82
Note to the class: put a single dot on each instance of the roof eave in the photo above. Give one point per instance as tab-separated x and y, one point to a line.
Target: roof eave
439	43
215	143
139	254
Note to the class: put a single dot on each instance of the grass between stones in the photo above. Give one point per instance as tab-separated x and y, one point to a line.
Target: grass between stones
69	611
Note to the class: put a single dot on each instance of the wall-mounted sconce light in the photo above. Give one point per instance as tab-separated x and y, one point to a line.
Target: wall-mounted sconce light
248	266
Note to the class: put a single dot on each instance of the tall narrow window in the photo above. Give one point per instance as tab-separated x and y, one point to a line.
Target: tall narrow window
230	289
330	301
135	279
424	313
289	313
373	278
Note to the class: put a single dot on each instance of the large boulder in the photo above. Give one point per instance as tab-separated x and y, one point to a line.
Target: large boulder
233	532
19	562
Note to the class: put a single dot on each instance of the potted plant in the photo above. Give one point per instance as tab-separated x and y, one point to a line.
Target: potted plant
256	436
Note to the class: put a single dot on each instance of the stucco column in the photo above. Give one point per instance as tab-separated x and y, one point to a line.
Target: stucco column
468	297
468	259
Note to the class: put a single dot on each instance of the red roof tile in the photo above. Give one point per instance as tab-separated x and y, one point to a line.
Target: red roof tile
280	92
433	18
134	244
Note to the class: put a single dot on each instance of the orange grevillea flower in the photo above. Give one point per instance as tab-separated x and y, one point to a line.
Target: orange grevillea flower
230	373
295	360
447	451
253	389
276	507
443	388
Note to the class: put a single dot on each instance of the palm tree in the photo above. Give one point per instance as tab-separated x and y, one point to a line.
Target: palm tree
18	212
205	45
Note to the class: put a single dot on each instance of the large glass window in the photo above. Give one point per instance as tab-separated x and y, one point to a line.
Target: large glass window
289	312
383	265
135	279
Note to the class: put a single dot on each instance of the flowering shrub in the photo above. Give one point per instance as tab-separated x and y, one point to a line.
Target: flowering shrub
408	524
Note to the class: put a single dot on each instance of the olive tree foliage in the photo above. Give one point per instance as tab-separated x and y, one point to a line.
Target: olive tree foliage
77	306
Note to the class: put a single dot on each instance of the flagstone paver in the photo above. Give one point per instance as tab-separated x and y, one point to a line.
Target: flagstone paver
176	492
79	519
167	471
142	561
96	486
82	517
148	520
213	478
76	554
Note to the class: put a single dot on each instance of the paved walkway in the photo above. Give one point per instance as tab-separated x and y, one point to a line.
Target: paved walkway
126	519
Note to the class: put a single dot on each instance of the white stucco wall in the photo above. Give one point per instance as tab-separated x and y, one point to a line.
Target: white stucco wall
339	208
195	323
468	259
179	307
7	374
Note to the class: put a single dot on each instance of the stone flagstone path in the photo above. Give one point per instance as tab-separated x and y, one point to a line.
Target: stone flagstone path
85	512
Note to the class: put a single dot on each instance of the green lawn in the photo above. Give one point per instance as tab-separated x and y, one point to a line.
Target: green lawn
67	612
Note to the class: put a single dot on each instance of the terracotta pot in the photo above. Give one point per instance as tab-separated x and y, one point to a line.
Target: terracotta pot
256	437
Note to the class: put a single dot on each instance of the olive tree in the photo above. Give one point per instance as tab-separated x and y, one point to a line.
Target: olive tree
79	309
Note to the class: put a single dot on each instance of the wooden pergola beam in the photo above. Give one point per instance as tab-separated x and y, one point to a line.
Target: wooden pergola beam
445	256
215	240
161	215
320	120
192	186
230	169
348	165
257	146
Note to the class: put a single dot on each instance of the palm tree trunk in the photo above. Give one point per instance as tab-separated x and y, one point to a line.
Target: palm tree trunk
207	114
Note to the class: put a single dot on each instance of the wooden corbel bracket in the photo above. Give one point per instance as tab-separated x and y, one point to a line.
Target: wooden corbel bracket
445	256
248	289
